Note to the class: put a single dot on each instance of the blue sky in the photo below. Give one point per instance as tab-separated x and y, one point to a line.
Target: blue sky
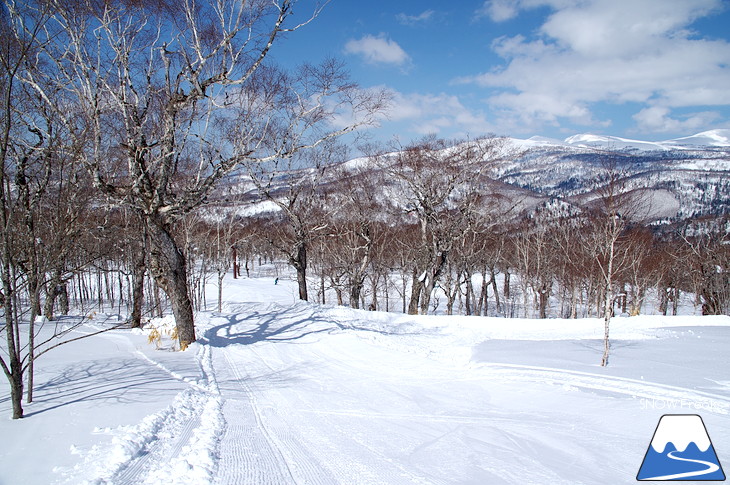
649	69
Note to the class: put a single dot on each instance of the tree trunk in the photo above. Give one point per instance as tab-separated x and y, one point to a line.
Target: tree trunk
299	261
31	345
15	371
138	289
221	276
506	291
374	300
544	299
469	294
302	282
416	288
608	302
16	388
355	292
606	342
63	298
482	291
663	300
167	264
322	285
426	293
495	290
51	294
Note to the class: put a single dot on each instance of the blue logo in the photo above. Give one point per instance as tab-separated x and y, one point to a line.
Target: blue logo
681	450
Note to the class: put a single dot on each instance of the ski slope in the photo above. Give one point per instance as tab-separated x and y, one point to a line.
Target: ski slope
277	391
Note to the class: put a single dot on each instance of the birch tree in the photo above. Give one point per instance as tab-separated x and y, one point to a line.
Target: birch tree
613	210
441	185
169	97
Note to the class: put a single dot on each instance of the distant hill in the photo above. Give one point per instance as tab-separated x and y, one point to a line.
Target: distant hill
681	178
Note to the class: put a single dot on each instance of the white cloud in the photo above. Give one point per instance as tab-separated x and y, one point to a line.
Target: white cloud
499	10
442	114
414	115
503	10
377	50
624	27
411	20
657	119
614	51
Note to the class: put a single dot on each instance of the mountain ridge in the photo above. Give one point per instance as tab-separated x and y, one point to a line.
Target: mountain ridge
679	179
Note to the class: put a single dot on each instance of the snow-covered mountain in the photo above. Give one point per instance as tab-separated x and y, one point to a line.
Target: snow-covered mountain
712	138
681	178
677	179
704	140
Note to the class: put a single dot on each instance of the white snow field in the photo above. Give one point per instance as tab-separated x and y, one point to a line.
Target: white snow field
281	392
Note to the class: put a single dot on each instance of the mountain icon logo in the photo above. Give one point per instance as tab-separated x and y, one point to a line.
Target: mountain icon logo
681	450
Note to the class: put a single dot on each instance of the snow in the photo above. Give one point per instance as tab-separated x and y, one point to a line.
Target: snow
612	142
717	138
277	391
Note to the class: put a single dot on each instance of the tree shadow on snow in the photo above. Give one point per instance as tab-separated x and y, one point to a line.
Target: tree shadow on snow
279	325
123	381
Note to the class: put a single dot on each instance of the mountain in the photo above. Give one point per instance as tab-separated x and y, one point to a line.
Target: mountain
712	138
676	180
679	179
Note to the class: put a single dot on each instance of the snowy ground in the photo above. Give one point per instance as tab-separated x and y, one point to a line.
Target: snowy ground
280	392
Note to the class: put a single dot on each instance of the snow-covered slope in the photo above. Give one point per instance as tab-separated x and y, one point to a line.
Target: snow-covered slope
281	392
612	142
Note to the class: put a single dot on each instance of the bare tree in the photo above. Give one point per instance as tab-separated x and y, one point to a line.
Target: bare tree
220	239
170	97
356	227
24	176
709	265
440	185
41	201
614	209
639	273
296	186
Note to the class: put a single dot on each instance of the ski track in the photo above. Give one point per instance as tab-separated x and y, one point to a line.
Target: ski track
274	452
248	454
169	446
350	450
677	396
346	451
